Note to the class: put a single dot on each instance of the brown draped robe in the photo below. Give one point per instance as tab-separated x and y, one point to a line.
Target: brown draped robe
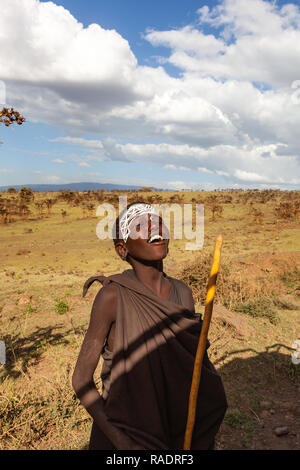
152	366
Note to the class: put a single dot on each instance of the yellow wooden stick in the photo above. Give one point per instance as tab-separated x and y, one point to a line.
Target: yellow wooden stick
211	288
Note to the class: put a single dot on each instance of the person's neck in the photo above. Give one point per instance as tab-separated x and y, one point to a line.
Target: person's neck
151	275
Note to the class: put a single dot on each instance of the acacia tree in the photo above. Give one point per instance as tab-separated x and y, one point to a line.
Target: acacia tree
11	116
9	207
216	209
26	195
63	214
49	203
39	206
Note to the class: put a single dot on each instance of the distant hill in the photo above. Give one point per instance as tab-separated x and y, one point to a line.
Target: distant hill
44	188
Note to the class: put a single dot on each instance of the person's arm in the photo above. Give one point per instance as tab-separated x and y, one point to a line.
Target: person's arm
103	314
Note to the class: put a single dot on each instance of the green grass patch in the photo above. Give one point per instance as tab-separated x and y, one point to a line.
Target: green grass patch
291	278
30	309
239	420
61	307
261	307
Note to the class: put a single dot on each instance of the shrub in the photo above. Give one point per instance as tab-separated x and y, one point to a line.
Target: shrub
235	291
30	309
257	215
291	277
26	195
287	210
238	420
61	307
262	307
232	288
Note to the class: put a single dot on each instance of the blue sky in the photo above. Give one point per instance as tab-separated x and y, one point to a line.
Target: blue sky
131	18
193	94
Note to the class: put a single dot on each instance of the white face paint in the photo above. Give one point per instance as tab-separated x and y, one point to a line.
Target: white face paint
131	214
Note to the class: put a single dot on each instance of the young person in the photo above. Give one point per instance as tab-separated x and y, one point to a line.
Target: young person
144	325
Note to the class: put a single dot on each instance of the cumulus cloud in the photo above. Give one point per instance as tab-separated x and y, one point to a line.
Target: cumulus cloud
227	161
230	111
247	48
84	164
77	63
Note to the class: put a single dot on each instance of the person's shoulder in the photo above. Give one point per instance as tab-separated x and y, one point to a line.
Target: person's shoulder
185	293
180	284
107	293
105	301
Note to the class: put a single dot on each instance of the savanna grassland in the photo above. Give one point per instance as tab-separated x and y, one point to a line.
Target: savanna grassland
49	248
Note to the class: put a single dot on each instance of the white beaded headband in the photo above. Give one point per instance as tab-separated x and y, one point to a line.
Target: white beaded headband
134	211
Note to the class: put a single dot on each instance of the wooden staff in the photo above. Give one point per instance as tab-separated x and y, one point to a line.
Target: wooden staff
211	288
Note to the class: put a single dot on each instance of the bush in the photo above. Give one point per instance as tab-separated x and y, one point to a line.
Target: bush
291	278
61	307
238	420
263	307
234	290
30	309
232	287
287	210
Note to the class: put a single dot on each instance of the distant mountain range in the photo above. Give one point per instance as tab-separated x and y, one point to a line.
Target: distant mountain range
44	188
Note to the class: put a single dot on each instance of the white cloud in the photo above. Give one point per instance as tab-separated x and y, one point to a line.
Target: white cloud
191	185
213	117
73	59
170	166
249	176
204	170
52	179
187	39
247	49
179	185
84	164
58	160
222	173
91	144
228	161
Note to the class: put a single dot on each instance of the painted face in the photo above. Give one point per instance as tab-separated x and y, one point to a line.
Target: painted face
148	238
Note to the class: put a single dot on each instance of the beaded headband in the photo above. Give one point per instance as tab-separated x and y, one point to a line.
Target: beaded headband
134	211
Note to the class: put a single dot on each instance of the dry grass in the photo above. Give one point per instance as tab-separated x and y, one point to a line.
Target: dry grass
234	288
260	260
